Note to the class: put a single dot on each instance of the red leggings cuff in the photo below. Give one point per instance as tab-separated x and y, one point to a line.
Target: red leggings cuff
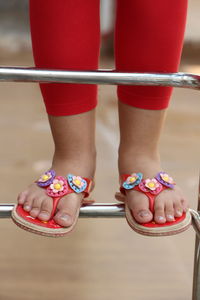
72	109
144	102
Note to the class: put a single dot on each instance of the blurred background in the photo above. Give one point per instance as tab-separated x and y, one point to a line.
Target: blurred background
102	259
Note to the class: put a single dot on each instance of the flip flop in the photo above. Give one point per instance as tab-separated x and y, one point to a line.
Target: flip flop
56	187
151	188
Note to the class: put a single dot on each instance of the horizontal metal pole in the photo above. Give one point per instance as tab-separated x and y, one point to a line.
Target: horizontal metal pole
103	210
106	210
100	77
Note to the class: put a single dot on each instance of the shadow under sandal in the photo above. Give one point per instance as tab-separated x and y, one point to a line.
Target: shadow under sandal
56	187
151	188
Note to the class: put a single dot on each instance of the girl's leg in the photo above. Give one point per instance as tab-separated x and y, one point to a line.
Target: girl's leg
148	39
66	35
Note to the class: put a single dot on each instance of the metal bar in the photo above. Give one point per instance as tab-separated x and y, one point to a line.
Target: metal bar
196	272
100	77
115	210
196	289
105	210
112	210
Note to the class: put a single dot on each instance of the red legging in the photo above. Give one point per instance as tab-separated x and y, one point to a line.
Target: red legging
66	35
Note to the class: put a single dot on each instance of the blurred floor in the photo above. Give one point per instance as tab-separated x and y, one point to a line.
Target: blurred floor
102	259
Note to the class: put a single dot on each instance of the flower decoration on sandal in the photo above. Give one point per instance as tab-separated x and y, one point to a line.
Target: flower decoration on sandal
165	179
152	186
132	180
58	188
46	179
77	183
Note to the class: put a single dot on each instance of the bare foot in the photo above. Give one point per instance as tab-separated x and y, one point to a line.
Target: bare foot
35	200
169	204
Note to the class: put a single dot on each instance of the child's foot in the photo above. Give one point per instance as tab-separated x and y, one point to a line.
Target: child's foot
35	200
169	203
74	139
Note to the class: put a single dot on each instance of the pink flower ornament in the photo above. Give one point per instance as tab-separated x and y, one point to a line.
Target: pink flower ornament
150	185
58	188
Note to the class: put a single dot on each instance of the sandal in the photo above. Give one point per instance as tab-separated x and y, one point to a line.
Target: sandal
56	187
151	188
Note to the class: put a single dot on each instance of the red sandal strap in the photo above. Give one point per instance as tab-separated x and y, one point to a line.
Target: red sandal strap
150	196
58	186
150	187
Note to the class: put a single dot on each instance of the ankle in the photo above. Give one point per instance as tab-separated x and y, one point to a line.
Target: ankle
146	162
73	154
139	153
83	163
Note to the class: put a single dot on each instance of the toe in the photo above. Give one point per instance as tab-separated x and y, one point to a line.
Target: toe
67	209
34	212
22	197
46	209
36	206
28	203
185	205
63	218
142	215
139	205
169	211
178	208
159	214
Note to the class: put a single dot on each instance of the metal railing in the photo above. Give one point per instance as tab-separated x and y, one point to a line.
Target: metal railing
111	210
100	77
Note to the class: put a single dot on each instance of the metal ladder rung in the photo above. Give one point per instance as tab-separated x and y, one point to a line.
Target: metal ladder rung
112	77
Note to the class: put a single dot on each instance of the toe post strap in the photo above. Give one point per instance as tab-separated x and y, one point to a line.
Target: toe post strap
55	187
150	187
59	186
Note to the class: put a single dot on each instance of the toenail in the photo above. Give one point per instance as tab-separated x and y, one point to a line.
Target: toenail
179	213
44	215
34	209
143	213
170	217
161	218
27	207
65	217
